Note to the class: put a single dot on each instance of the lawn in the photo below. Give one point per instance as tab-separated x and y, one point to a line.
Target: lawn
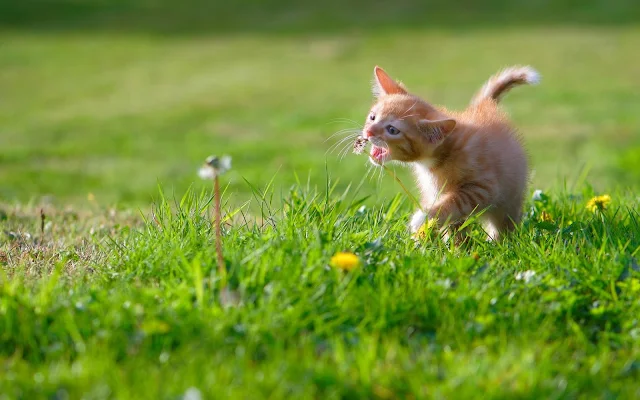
109	287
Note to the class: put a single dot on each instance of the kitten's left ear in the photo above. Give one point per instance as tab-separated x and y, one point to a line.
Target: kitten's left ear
383	84
436	130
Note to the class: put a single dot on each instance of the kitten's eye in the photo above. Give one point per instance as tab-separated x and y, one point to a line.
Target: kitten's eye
372	116
392	130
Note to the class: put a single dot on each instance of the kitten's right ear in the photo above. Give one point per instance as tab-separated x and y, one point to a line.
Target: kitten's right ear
436	130
383	84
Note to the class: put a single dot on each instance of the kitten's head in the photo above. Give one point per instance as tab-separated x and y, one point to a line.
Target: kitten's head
401	126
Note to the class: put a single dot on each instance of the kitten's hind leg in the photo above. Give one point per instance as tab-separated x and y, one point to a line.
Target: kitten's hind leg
493	232
497	223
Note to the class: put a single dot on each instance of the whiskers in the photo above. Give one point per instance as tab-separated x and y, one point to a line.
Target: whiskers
345	143
343	120
375	172
406	113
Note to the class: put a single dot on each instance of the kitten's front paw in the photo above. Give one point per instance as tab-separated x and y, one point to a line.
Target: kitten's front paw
417	221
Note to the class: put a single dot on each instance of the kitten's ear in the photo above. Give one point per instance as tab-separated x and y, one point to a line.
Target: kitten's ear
436	130
383	84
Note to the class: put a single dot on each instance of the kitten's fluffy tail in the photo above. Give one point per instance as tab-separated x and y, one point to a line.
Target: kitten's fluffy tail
503	81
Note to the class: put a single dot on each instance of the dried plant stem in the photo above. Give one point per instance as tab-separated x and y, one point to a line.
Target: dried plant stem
216	193
42	220
393	174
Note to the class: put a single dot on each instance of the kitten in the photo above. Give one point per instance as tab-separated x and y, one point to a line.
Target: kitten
463	161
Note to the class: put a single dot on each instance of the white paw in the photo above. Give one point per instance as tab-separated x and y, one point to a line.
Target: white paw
417	221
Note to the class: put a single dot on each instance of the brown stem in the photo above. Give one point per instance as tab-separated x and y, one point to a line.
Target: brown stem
216	190
42	219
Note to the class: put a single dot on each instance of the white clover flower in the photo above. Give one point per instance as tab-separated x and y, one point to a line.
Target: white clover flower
192	393
525	276
537	195
214	166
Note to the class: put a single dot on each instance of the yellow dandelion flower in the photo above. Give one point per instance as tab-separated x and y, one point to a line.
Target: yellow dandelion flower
426	229
345	261
599	203
545	217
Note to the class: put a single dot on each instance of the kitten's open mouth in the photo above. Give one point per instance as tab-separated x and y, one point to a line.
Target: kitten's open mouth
379	154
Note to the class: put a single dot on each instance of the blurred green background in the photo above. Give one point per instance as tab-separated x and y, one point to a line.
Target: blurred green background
114	97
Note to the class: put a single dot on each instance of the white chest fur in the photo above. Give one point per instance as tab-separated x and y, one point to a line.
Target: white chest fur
426	182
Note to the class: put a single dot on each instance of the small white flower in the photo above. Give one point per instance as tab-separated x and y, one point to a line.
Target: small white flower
192	394
537	195
525	276
214	166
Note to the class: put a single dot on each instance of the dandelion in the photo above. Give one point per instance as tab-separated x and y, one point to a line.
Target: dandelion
345	261
599	203
545	217
426	229
358	145
212	169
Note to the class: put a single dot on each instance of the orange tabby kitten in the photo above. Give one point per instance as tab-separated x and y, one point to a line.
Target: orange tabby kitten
463	161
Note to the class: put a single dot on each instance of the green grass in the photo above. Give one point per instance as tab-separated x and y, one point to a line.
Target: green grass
135	313
93	110
113	291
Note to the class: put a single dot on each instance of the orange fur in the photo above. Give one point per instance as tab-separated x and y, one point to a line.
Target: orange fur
463	161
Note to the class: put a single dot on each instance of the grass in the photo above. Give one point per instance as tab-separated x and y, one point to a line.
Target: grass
109	286
148	108
549	313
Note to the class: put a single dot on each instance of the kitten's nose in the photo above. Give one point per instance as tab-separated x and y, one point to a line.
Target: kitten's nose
367	134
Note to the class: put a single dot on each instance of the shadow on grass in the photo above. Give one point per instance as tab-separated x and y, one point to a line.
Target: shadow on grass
217	17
